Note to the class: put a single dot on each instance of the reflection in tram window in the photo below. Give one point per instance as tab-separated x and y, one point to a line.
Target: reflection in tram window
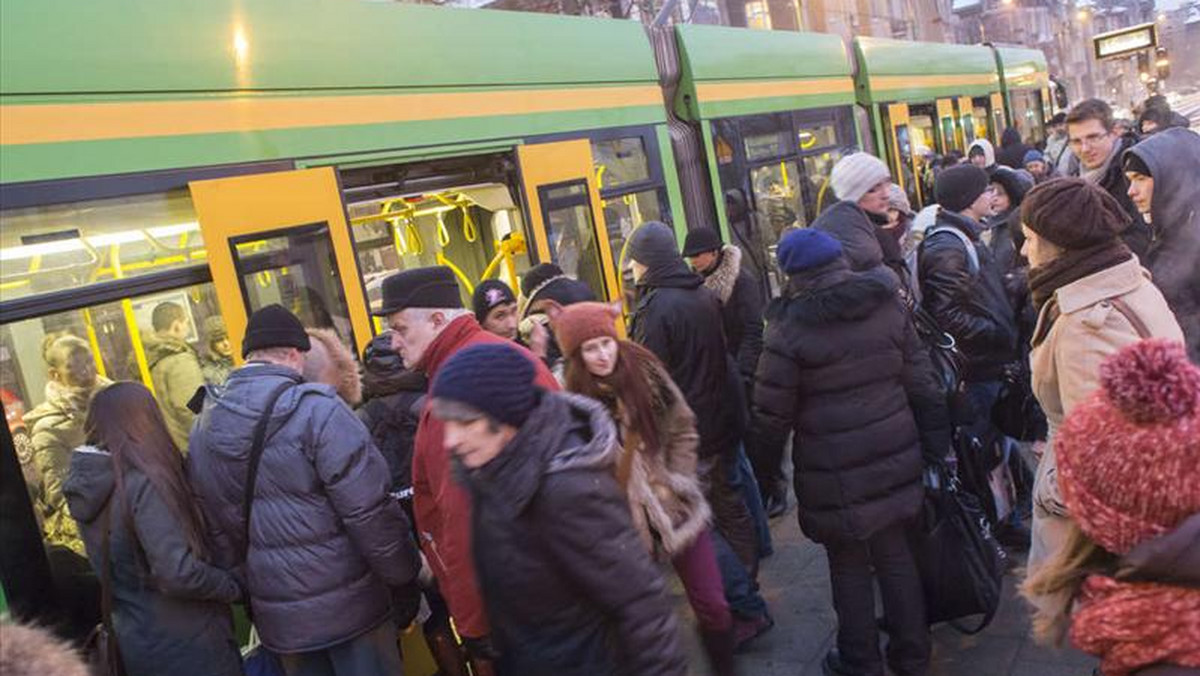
620	162
777	200
296	269
817	169
623	214
57	247
572	235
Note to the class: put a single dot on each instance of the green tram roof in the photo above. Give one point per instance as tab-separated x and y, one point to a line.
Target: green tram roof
130	86
737	71
1023	68
902	70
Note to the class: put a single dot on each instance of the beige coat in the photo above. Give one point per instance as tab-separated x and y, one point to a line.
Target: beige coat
665	494
1091	326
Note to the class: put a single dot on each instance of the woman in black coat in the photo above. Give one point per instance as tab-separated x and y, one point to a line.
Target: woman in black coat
844	369
170	606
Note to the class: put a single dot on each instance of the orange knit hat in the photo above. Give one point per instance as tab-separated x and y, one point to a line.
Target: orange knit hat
576	324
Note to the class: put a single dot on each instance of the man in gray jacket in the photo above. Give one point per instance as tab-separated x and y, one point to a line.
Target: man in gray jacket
325	544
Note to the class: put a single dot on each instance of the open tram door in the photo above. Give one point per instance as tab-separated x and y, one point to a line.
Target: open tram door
565	213
900	149
949	130
282	238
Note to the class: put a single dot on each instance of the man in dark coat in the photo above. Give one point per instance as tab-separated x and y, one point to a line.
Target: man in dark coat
326	543
1098	150
738	290
679	320
423	307
862	182
568	585
1012	149
844	370
1164	178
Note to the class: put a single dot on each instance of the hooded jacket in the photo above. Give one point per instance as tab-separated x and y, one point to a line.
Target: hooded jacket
568	586
972	306
176	373
170	607
1012	149
393	397
55	429
442	507
989	151
680	321
1173	258
1112	179
741	308
849	224
321	512
844	370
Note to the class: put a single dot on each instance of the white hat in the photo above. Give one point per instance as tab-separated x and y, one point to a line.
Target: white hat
854	175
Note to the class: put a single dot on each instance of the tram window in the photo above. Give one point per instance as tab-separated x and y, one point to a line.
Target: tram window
296	269
51	365
817	135
572	233
980	116
623	214
51	248
620	162
767	136
1027	113
817	169
777	199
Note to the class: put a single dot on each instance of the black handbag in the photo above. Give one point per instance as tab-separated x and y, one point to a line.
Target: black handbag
960	563
946	359
1017	412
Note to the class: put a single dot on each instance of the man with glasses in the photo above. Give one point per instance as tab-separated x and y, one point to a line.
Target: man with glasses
1098	148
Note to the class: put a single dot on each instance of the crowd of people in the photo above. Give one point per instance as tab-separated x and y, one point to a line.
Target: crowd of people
516	477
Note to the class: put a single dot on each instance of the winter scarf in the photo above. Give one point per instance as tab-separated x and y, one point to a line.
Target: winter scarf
1097	175
1137	624
1073	266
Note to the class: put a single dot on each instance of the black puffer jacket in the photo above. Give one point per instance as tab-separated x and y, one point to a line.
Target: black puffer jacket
680	322
568	585
843	368
972	307
391	409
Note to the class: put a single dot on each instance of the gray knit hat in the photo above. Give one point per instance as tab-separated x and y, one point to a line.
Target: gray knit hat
854	175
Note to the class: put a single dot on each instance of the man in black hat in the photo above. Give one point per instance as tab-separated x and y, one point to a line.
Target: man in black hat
321	509
424	309
495	307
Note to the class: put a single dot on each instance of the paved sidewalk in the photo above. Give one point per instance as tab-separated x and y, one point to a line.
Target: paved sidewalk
795	583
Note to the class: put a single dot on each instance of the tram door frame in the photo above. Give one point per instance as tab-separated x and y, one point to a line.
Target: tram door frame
547	166
952	140
897	116
966	109
272	204
999	120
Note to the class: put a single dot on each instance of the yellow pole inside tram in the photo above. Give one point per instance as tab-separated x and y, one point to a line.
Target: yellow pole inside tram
135	335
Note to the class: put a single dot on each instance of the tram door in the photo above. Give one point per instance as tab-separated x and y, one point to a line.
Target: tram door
968	124
999	118
900	148
565	213
282	238
950	136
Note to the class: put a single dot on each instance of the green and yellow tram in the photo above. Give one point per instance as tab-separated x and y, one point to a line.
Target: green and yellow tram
226	155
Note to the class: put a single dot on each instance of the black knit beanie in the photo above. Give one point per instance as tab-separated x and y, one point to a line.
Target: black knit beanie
1073	214
489	294
539	275
654	245
959	186
1134	162
493	378
274	326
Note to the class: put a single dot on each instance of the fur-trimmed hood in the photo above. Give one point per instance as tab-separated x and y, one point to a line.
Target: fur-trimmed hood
724	276
333	364
832	293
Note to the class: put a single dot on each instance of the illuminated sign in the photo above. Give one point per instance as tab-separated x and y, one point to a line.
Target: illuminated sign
1125	41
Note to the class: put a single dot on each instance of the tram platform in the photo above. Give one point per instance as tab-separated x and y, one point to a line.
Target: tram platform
795	582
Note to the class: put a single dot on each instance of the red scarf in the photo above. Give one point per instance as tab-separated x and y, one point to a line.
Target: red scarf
1132	625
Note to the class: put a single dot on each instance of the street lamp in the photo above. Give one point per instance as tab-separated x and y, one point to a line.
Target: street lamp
1082	15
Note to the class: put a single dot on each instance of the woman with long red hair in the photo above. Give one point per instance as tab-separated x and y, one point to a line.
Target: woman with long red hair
146	541
657	466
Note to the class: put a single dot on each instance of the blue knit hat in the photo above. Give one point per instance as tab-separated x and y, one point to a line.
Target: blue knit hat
1033	155
493	378
806	248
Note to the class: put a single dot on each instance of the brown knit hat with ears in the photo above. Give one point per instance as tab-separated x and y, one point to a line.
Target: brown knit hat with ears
1073	213
576	324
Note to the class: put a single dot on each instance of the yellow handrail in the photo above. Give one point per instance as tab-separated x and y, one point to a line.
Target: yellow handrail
442	260
135	335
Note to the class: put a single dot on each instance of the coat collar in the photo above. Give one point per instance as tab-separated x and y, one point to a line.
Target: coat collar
446	344
1109	283
956	220
724	275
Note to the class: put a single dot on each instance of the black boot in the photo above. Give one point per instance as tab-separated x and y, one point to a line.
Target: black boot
719	646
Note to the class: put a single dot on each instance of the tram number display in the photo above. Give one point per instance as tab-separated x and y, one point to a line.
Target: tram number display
1125	41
